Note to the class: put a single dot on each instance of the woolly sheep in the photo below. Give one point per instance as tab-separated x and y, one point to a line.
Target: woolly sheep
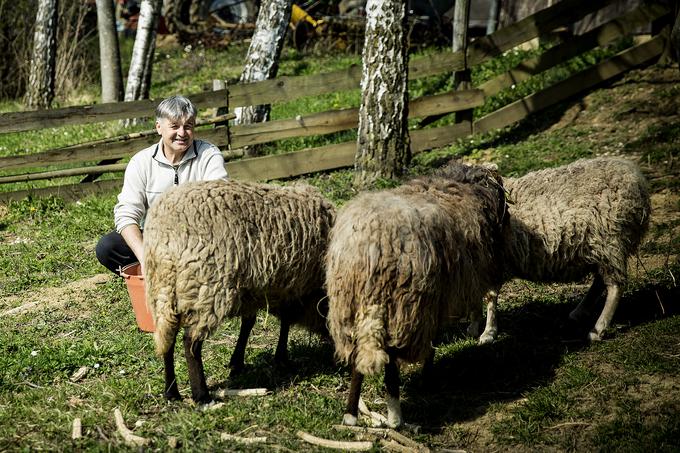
221	249
567	222
401	263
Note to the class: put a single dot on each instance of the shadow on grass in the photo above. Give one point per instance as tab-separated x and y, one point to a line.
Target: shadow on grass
533	339
306	359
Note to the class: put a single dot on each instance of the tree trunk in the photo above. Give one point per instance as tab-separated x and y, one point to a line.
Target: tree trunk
461	79
383	142
262	60
109	53
40	92
492	23
675	36
142	51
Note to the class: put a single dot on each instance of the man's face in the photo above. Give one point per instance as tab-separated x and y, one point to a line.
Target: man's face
177	135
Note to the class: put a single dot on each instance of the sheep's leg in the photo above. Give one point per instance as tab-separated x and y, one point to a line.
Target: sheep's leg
613	297
428	367
192	352
281	354
584	309
394	418
352	413
491	329
171	389
237	361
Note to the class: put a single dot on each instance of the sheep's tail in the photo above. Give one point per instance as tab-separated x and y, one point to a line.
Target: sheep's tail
369	351
162	302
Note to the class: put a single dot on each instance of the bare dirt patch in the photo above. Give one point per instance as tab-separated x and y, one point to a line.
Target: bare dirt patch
51	297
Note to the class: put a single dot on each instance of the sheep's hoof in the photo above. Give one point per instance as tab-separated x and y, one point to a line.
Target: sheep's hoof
349	420
202	398
594	336
172	396
394	418
487	338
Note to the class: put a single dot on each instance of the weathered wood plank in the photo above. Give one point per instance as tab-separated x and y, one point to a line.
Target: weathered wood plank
333	156
542	22
268	167
599	36
70	192
586	79
290	88
303	126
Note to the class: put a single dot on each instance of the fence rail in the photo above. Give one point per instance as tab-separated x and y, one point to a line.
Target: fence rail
107	152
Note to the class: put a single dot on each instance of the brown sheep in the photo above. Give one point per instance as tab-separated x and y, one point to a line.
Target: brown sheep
404	262
218	249
587	217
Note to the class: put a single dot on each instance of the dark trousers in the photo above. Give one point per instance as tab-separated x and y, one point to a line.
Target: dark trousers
114	253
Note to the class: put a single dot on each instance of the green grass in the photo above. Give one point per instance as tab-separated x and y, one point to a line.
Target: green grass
540	387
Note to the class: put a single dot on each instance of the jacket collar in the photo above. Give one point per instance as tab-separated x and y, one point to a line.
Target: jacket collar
190	154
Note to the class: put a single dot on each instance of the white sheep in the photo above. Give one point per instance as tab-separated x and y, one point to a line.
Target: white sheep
587	217
404	262
218	249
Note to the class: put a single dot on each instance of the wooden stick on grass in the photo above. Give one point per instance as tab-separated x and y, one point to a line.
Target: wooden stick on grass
77	431
129	437
336	444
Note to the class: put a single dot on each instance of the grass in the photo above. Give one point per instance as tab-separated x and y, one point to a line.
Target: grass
540	387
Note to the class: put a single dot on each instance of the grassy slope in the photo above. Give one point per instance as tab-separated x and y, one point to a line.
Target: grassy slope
538	388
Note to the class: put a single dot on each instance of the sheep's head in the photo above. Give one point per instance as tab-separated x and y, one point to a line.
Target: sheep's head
487	182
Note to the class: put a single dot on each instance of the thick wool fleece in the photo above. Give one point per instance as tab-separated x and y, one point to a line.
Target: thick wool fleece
569	221
216	249
403	262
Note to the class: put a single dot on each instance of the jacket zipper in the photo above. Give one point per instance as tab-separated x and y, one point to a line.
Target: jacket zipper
176	167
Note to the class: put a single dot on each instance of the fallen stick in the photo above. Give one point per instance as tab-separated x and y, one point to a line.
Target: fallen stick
336	444
385	432
240	392
393	445
77	431
129	437
243	440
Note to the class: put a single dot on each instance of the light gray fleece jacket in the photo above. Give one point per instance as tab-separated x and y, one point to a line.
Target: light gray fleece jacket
149	174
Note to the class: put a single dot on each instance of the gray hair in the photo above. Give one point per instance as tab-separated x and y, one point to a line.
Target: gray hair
175	108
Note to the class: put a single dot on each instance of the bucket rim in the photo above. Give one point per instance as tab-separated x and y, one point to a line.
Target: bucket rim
124	274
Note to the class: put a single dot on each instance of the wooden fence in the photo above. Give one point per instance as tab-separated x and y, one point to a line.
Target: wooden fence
108	152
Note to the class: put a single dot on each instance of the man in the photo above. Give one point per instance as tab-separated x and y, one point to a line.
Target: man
175	159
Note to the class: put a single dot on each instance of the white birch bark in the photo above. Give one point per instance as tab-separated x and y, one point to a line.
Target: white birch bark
40	90
142	51
262	60
383	141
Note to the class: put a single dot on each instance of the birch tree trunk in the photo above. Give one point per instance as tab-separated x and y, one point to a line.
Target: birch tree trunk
40	90
262	60
142	51
383	141
461	79
109	53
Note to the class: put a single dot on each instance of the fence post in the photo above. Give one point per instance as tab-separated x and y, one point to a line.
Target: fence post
219	84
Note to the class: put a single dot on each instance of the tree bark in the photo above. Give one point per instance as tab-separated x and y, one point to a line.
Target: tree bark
142	51
675	36
262	60
109	53
40	91
383	141
461	79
